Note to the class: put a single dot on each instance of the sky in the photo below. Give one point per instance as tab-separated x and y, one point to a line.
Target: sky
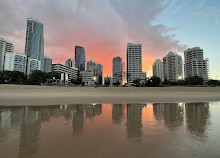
104	27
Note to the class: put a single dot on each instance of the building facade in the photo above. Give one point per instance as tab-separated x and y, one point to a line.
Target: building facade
195	64
72	72
9	62
134	62
5	47
47	64
32	65
34	46
92	67
20	62
117	70
87	78
158	69
172	67
80	58
70	63
99	73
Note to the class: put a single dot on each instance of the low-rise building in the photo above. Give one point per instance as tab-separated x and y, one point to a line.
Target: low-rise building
72	72
87	78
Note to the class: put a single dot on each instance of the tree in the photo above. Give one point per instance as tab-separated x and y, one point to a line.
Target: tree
36	78
196	80
13	77
214	82
153	82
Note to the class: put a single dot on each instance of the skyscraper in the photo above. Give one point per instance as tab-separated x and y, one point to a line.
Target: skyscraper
172	67
47	64
158	69
99	73
117	70
195	65
80	58
70	63
134	61
92	67
34	46
5	47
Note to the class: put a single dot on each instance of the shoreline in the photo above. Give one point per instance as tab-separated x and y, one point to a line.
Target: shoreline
26	95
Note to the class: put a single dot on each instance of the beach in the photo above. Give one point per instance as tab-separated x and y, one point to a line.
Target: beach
27	95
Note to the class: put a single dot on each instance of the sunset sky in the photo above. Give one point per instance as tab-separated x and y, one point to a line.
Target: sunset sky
104	27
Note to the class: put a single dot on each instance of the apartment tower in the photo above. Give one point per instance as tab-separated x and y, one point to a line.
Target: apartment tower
134	62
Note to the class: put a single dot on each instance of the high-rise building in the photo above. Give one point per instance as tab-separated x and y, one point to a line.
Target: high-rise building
172	67
117	70
34	46
80	58
158	69
9	62
195	64
47	64
70	63
134	61
20	62
32	65
99	73
5	47
92	67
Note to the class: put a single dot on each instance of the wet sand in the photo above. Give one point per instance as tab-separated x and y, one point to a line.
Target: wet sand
19	95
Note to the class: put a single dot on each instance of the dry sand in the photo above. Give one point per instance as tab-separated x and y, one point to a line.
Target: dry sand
18	95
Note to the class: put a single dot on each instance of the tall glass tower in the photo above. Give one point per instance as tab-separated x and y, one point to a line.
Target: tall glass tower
34	46
80	58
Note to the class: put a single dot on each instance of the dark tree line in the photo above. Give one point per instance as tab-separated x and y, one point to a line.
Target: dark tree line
35	78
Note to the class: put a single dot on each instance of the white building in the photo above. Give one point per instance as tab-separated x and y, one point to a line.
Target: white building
117	69
195	64
172	67
72	72
47	64
32	65
20	62
9	62
5	47
158	69
70	63
134	62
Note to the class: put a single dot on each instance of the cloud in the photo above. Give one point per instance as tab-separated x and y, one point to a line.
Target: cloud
103	27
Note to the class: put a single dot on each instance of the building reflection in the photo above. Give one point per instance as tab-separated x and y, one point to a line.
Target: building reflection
158	110
93	110
78	120
33	117
197	117
134	120
117	111
173	116
170	113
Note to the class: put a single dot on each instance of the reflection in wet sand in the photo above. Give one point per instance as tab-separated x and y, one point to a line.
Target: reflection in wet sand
134	120
124	125
197	117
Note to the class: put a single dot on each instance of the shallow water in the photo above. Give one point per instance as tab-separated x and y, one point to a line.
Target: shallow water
111	131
